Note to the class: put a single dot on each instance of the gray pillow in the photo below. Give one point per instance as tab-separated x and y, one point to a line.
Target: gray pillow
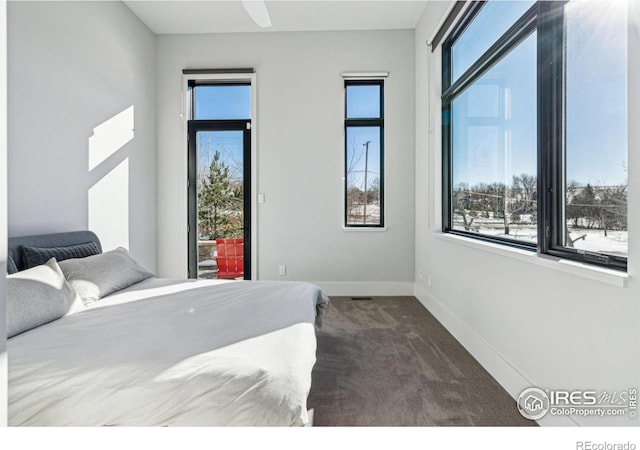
35	256
97	276
37	296
11	264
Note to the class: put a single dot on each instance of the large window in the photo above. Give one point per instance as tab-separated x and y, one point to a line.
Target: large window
535	128
364	143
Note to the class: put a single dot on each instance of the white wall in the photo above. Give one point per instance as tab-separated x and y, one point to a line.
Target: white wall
529	322
82	123
3	212
300	150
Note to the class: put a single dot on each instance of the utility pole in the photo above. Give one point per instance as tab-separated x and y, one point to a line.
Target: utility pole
366	171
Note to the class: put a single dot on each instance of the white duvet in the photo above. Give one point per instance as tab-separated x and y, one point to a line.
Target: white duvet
172	353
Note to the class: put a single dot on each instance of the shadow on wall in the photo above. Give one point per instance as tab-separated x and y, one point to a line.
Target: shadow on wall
108	196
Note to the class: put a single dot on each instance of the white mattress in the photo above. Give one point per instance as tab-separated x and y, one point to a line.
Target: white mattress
175	353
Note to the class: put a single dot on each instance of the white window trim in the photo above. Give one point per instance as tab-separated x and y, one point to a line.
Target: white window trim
364	76
588	271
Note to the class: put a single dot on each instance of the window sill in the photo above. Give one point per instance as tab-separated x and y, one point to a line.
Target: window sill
595	273
366	229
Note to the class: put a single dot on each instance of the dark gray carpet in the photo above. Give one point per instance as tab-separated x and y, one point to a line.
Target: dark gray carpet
389	362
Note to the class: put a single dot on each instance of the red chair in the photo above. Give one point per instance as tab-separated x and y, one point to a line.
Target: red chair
230	258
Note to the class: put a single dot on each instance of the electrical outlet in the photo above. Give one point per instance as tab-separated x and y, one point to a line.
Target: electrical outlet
420	277
282	270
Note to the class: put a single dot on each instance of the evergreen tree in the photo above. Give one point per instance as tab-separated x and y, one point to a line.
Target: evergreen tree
220	202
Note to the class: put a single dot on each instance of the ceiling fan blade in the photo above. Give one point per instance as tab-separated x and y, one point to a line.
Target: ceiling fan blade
257	10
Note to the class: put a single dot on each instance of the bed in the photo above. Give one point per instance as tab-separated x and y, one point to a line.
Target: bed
166	352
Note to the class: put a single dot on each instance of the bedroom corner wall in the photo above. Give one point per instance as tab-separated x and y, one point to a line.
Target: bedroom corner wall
3	213
528	323
81	78
300	153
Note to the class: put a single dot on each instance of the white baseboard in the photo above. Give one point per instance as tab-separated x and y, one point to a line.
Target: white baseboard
366	288
504	373
4	400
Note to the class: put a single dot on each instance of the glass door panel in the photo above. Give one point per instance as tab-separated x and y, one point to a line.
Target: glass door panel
220	204
219	231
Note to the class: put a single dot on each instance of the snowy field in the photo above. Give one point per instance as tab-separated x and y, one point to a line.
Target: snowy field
356	214
615	243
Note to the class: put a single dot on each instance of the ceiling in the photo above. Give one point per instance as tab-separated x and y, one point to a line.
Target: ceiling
215	16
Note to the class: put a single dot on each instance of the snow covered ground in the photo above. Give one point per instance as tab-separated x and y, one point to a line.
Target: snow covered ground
615	243
356	214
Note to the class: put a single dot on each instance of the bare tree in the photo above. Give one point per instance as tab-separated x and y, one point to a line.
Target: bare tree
612	208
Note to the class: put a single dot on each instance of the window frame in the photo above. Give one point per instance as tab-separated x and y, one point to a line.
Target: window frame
217	76
364	122
548	19
195	126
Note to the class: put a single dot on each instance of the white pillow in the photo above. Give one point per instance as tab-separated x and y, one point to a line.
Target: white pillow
97	276
37	296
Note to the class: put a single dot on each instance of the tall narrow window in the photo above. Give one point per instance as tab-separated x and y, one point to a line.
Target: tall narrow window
364	145
535	127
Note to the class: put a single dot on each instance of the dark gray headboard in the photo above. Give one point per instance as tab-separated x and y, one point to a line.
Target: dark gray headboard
50	240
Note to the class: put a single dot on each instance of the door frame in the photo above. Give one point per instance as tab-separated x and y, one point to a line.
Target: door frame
222	76
196	126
